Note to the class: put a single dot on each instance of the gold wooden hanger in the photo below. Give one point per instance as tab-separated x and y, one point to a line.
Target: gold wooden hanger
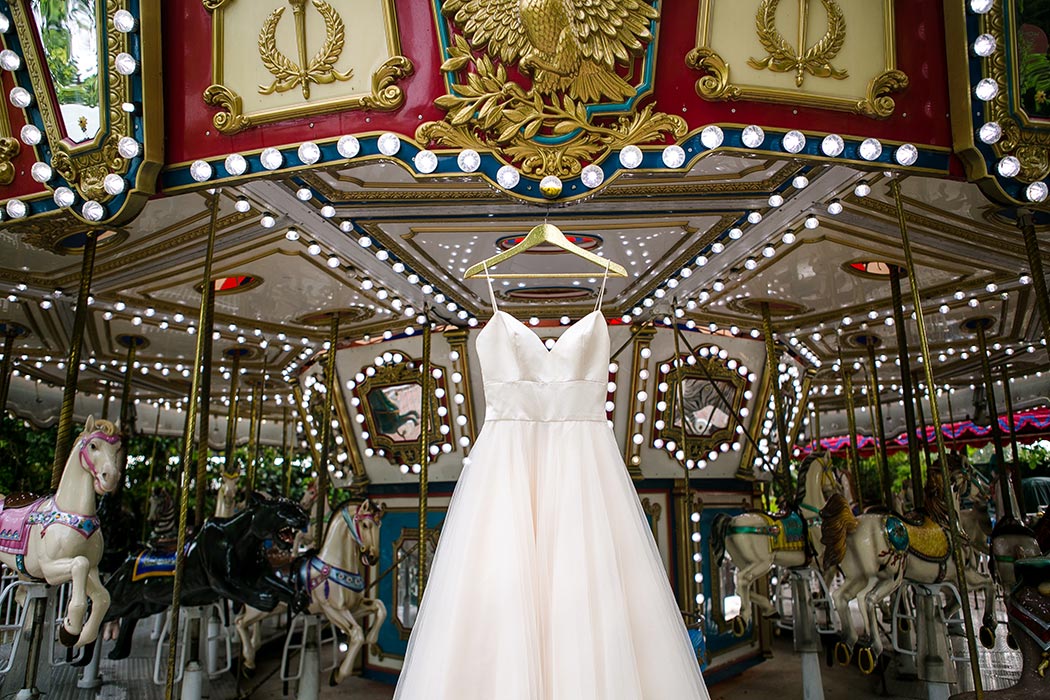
544	234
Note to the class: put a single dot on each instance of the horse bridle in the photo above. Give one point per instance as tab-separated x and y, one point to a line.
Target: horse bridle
353	524
85	458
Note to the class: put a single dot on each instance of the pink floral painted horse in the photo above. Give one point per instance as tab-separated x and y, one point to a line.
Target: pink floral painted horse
56	538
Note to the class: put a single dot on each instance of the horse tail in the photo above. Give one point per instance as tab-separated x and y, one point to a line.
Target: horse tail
718	537
837	524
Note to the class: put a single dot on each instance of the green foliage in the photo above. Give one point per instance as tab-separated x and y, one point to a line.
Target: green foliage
74	83
26	455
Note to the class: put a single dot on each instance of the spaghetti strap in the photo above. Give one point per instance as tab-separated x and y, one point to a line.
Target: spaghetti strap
601	292
492	292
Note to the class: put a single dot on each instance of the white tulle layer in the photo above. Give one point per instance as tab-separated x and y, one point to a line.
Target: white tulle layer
547	584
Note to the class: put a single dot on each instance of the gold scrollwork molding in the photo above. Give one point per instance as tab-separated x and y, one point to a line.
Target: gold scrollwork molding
863	76
261	88
549	125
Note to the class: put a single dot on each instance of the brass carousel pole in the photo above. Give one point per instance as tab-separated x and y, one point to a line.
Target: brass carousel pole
231	415
199	365
688	602
1006	475
106	399
851	423
5	371
942	452
132	342
1015	473
906	378
200	481
424	454
149	474
253	427
286	482
922	421
64	442
880	427
783	473
1026	223
326	428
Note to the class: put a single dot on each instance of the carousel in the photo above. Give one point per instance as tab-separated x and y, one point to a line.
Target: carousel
247	248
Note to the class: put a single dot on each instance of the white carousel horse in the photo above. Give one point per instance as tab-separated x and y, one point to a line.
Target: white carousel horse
334	583
307	539
757	541
226	498
876	552
32	545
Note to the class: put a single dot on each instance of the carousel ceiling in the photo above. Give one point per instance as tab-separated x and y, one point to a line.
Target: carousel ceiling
733	232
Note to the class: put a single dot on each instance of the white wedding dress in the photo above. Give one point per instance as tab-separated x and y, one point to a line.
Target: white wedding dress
547	583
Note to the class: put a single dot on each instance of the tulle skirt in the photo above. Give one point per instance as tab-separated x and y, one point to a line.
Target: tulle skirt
546	583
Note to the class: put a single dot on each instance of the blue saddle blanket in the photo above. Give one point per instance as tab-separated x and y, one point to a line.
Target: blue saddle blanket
149	564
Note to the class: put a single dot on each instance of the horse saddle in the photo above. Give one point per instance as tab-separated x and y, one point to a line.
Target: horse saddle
152	563
786	532
15	521
927	540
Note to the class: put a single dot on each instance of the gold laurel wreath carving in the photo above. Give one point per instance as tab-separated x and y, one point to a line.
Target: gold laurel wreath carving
782	58
490	112
321	68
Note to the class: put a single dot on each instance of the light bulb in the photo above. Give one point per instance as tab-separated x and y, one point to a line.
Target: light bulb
348	146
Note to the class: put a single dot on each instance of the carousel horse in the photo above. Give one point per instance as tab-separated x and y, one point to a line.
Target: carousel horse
161	516
226	559
757	541
1011	541
307	538
226	498
876	552
1028	613
336	587
975	493
32	545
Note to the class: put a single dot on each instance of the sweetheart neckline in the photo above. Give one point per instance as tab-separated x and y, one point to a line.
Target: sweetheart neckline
529	331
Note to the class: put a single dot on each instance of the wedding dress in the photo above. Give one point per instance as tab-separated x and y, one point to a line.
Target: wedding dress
547	583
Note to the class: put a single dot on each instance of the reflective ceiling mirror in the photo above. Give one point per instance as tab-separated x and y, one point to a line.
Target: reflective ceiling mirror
68	33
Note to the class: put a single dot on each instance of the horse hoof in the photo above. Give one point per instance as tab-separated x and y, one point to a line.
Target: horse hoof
739	628
842	654
332	682
866	661
66	637
987	637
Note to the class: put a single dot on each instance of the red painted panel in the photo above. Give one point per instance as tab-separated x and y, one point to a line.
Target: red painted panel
920	117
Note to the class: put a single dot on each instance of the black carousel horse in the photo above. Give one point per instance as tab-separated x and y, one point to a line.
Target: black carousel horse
226	559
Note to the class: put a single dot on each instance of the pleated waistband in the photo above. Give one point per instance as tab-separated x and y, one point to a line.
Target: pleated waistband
573	400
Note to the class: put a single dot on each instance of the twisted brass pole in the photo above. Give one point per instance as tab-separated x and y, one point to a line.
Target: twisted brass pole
5	371
229	462
942	452
1035	261
187	451
1005	469
851	423
326	428
424	453
783	472
64	442
286	485
201	478
906	387
880	429
922	422
1015	473
255	415
688	595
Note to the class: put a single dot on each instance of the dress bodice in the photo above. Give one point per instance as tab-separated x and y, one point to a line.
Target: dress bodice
526	382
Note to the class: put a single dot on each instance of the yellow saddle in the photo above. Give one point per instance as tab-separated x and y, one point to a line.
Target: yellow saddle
927	540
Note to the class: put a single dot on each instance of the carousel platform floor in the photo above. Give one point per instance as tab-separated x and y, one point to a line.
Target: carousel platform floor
778	676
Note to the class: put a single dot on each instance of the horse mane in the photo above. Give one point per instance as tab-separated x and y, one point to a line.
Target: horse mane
338	508
933	498
803	472
837	523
